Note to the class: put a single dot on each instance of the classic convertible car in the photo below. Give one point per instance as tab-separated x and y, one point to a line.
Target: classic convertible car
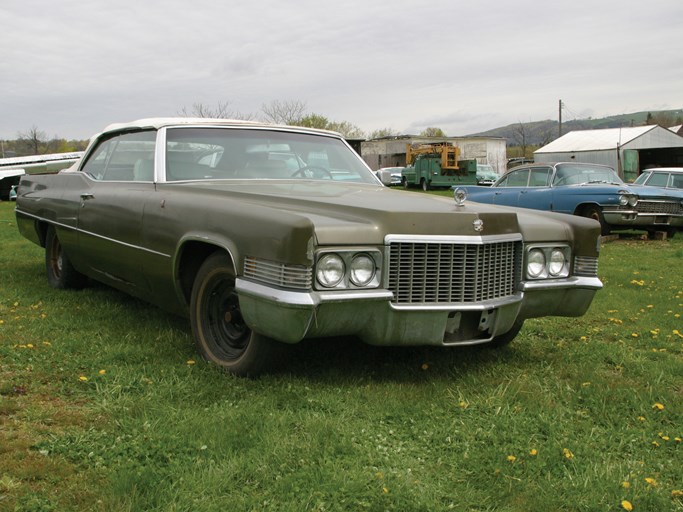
267	235
587	190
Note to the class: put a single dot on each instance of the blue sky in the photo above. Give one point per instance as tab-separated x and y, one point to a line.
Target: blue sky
72	67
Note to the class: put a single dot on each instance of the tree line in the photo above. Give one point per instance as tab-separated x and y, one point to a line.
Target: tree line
36	142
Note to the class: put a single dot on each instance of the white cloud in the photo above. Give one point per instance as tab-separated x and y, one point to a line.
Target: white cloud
73	67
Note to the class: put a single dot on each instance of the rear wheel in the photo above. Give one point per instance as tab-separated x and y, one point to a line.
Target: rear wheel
60	272
595	212
220	333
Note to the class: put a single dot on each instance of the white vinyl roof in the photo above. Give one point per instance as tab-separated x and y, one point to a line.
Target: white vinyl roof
595	140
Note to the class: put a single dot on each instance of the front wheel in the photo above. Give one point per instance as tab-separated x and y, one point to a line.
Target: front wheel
425	185
506	338
60	272
595	213
220	333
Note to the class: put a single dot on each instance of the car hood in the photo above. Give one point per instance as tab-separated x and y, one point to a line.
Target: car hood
364	214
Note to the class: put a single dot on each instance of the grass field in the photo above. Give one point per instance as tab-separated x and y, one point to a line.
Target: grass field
104	405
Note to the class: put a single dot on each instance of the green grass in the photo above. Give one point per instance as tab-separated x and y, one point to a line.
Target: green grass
101	407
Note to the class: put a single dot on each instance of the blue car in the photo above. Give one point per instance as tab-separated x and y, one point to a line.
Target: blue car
587	190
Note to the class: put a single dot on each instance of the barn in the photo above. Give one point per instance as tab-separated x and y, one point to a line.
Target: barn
626	150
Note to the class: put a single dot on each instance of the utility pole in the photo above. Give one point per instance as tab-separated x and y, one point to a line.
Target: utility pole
560	109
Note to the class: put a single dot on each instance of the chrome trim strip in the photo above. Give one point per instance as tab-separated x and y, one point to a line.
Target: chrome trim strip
449	239
554	284
276	295
95	235
459	306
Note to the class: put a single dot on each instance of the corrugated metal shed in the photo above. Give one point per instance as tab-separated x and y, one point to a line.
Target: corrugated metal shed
627	150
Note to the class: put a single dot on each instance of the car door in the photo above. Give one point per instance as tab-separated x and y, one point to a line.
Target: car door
538	194
508	190
111	208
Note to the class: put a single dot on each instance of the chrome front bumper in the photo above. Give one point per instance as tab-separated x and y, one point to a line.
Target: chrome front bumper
290	317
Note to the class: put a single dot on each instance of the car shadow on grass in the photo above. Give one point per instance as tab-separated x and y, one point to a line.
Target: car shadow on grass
348	358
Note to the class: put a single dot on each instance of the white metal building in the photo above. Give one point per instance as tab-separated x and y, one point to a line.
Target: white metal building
626	150
391	151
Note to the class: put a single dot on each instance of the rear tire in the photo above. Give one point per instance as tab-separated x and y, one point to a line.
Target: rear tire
60	272
220	333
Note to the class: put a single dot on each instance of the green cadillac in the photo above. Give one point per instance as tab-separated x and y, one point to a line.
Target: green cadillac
267	235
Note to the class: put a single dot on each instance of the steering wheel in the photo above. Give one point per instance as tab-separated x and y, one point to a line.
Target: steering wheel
312	172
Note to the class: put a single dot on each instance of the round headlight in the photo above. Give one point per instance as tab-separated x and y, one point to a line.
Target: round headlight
362	270
623	199
330	270
557	262
535	263
632	200
460	196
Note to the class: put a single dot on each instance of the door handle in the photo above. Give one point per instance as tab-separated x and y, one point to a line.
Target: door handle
87	196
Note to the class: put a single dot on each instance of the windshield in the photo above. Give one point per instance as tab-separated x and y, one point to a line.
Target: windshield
485	171
574	174
229	153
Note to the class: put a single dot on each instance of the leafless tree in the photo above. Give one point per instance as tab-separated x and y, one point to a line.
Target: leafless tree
284	112
520	135
34	140
222	110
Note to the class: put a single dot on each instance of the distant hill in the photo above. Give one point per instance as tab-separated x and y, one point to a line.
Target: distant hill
542	132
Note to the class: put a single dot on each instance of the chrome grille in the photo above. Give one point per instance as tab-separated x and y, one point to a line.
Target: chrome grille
278	274
662	207
586	266
436	272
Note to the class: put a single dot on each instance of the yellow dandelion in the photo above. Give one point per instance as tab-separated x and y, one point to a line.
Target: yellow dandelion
665	438
385	490
641	418
676	493
677	439
29	345
190	362
585	384
651	481
658	407
533	452
677	333
626	505
626	484
655	444
2	322
511	458
583	338
567	453
463	404
102	372
83	378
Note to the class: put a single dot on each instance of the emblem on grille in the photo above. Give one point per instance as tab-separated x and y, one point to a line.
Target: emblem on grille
478	225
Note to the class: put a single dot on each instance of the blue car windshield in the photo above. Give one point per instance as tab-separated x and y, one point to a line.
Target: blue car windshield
574	174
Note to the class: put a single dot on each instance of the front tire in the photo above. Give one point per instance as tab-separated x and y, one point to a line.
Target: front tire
220	333
425	185
61	274
595	213
506	338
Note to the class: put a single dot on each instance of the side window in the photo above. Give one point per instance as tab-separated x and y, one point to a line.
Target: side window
518	178
658	179
123	157
539	177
